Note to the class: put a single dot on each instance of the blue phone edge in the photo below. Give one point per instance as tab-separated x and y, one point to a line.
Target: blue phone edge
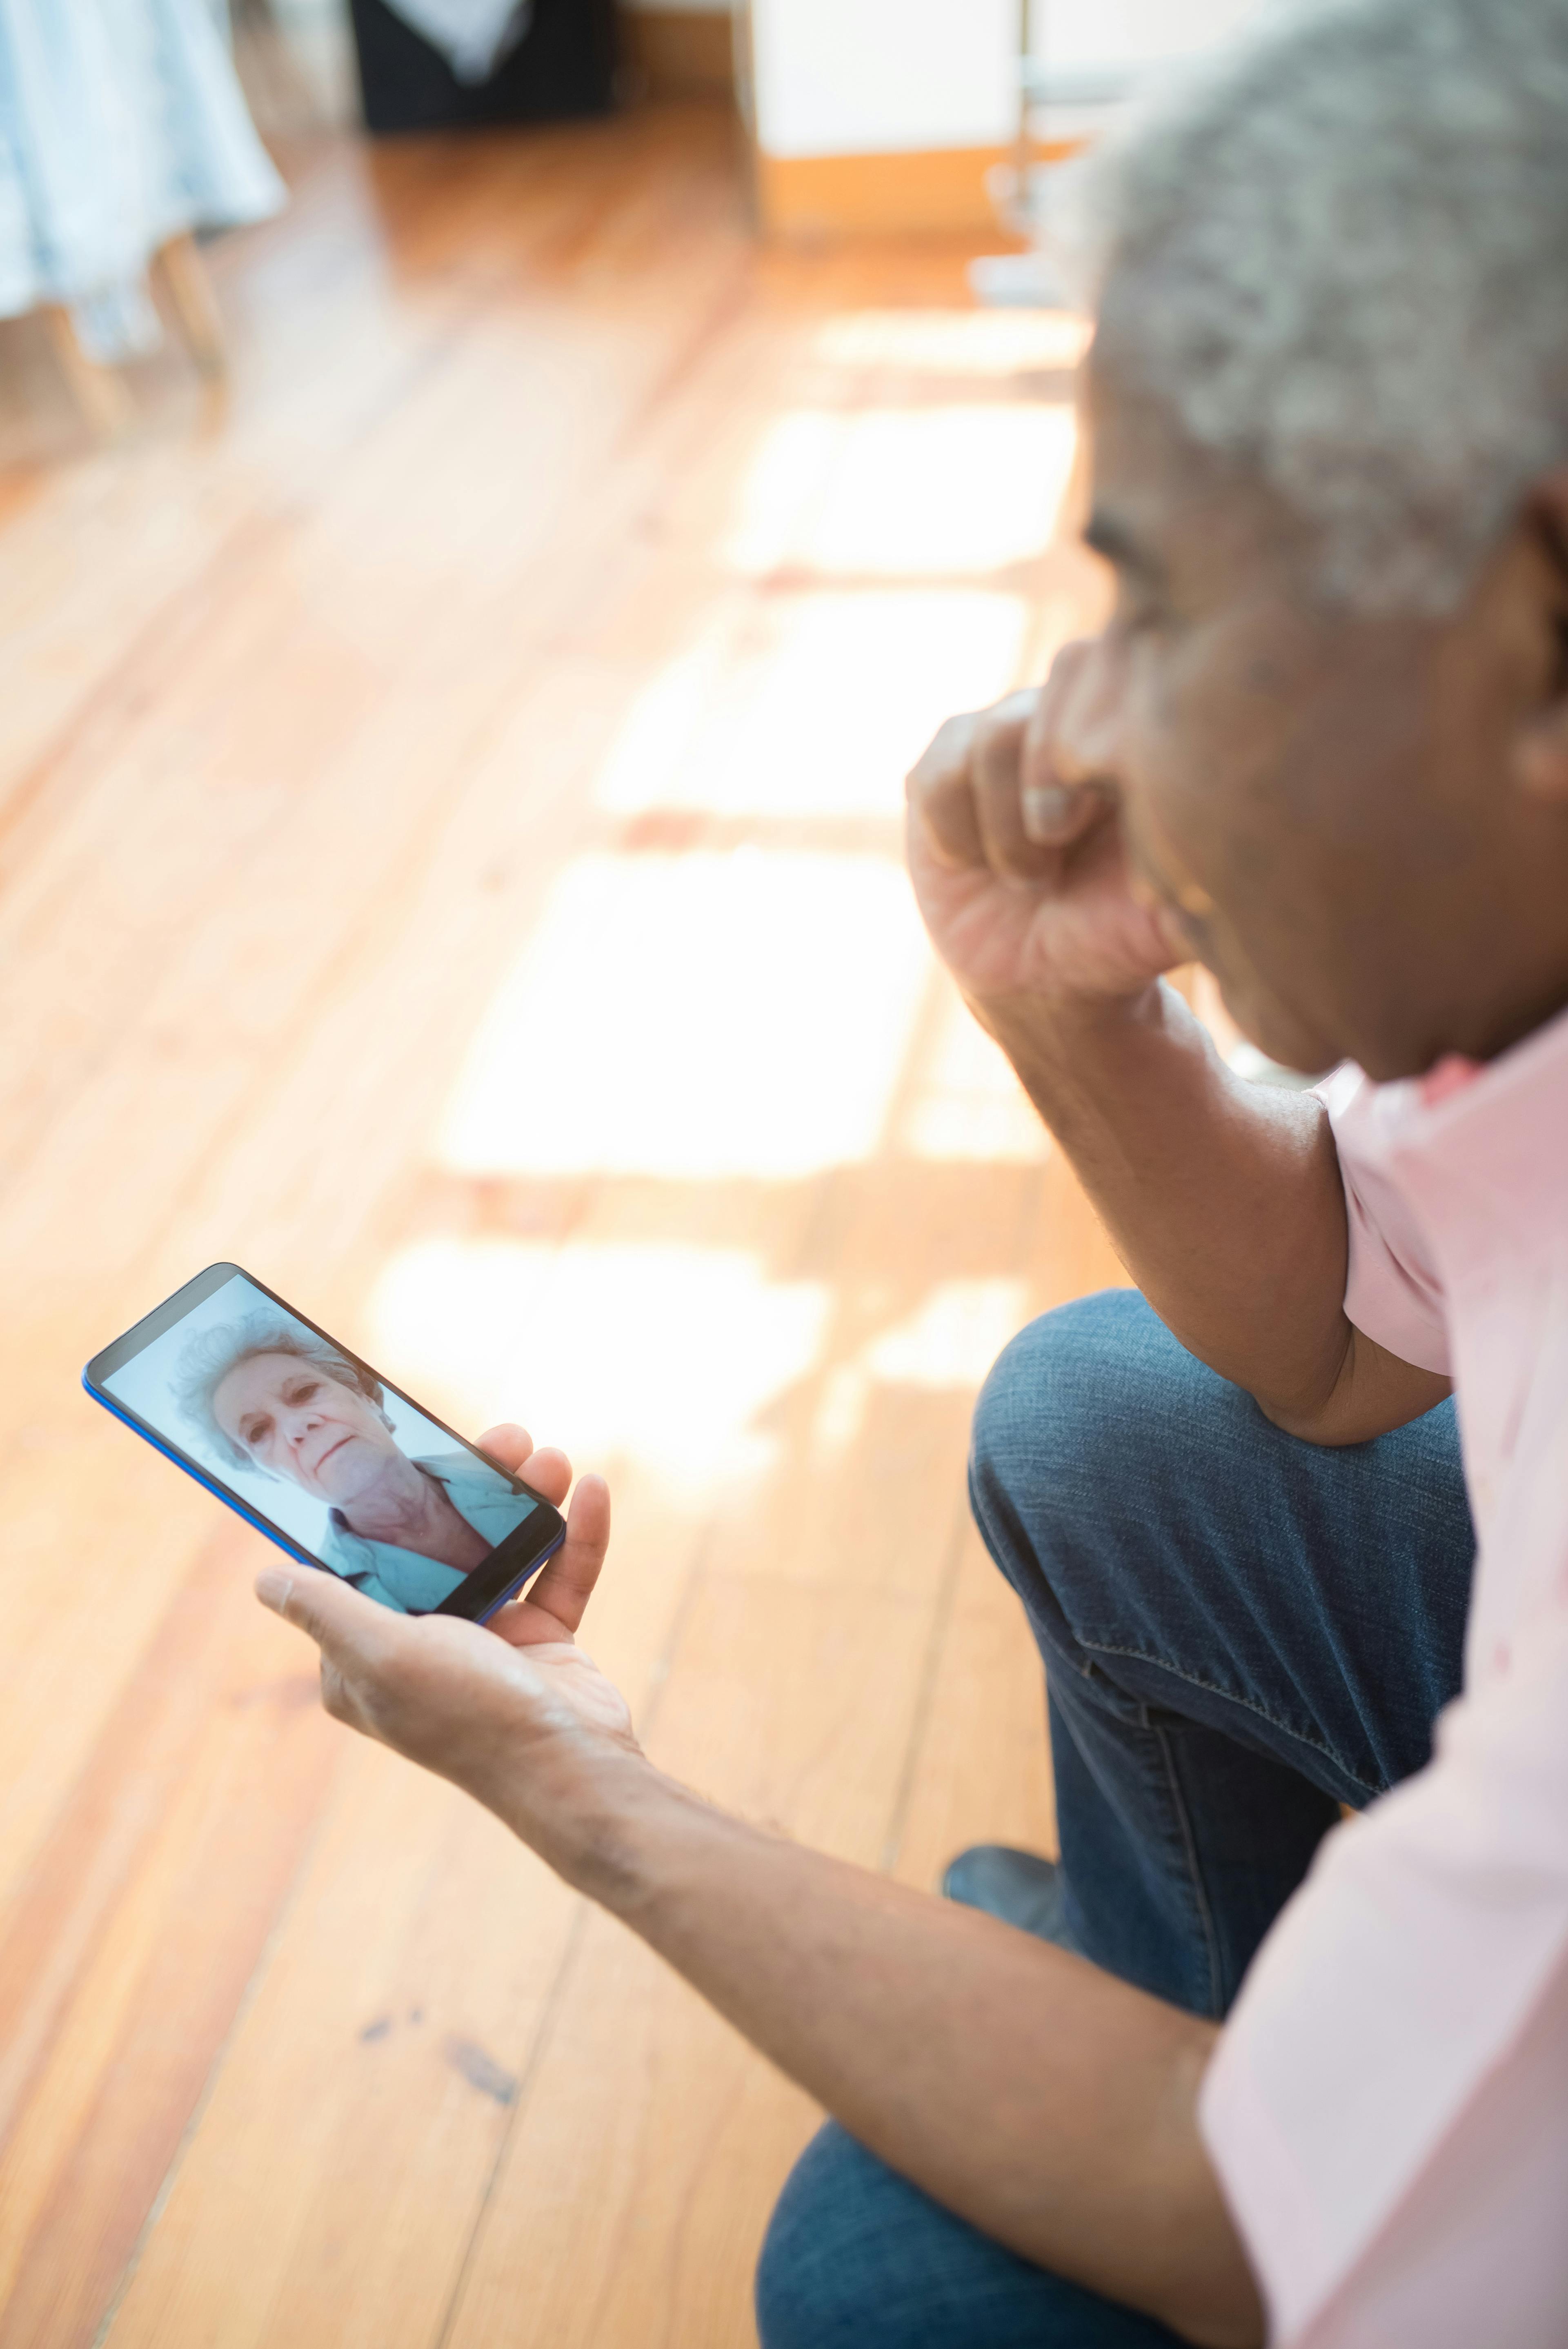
280	1540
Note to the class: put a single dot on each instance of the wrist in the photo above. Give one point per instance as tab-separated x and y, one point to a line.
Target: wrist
594	1816
1067	1025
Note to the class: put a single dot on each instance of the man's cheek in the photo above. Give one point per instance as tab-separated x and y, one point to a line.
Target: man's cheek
1165	853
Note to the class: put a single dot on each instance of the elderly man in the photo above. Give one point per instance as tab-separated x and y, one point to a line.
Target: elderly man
1327	732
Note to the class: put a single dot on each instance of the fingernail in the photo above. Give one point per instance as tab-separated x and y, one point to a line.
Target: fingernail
273	1588
1047	809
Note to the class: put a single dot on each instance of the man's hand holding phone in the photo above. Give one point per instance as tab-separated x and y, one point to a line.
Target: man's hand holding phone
512	1710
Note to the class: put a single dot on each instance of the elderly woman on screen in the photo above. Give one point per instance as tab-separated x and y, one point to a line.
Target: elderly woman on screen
275	1397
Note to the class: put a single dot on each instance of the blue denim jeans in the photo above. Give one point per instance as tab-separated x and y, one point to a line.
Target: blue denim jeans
1239	1631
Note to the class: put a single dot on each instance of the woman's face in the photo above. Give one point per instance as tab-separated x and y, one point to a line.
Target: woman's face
291	1418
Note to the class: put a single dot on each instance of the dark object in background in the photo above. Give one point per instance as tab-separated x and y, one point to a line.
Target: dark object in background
565	66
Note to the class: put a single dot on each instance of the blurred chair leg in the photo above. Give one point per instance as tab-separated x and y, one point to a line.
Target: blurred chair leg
101	392
190	291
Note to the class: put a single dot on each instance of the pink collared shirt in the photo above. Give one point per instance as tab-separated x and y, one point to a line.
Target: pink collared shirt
1388	2108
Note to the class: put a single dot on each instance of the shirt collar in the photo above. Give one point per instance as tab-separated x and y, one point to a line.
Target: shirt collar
1485	1143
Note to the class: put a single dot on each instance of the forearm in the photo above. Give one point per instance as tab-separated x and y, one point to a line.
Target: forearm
1224	1199
1045	2102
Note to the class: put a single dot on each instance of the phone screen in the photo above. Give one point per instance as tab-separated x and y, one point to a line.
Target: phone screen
323	1452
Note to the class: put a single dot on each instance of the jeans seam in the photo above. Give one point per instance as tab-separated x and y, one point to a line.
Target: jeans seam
1195	1873
1229	1696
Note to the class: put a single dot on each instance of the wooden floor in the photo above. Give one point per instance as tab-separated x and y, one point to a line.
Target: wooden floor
449	862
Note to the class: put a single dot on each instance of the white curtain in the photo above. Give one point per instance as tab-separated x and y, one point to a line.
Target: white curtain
121	124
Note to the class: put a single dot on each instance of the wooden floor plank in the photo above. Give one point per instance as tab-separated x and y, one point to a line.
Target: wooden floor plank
127	1953
980	1763
406	737
78	1297
653	2140
329	2192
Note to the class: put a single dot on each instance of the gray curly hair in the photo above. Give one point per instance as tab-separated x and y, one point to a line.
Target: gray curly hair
1335	253
211	1354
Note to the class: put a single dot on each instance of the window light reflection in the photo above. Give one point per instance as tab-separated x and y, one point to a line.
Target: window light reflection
956	342
953	1338
665	1354
815	705
905	493
947	1344
695	1017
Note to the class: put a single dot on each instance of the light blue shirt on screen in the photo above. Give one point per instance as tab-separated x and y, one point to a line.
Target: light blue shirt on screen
406	1578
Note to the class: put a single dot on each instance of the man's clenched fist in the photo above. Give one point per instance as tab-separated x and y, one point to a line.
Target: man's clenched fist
1015	848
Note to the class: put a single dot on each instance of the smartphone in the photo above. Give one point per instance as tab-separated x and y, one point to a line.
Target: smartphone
319	1452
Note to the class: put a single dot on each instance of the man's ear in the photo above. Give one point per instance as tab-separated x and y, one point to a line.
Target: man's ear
1540	755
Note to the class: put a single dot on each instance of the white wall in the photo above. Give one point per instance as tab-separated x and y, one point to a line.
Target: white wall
880	77
1108	32
884	77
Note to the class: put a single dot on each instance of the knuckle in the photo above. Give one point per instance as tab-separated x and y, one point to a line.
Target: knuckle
1065	670
1038	762
1001	741
294	1608
1001	783
944	756
990	732
334	1696
999	729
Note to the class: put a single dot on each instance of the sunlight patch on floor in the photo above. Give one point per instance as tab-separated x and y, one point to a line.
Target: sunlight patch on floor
966	1104
947	1344
908	493
954	1336
815	705
697	1017
1003	343
662	1353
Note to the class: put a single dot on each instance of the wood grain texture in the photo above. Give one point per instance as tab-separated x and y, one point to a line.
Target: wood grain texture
920	191
979	1766
450	860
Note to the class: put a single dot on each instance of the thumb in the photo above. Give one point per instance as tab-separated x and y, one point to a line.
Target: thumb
1063	794
342	1621
1056	813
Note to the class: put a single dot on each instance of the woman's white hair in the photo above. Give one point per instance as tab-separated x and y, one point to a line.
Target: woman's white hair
1338	253
211	1354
